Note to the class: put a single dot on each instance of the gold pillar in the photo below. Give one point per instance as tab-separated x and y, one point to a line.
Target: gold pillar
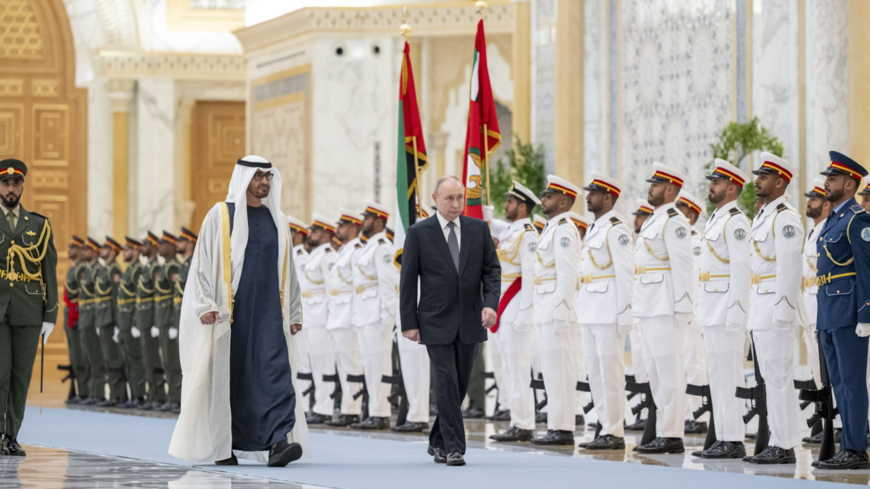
522	73
120	94
859	72
569	92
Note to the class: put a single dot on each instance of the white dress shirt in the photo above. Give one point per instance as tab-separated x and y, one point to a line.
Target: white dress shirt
443	222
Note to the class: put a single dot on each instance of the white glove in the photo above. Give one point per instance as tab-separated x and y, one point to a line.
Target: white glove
155	332
863	330
135	332
47	328
115	336
487	212
173	333
97	330
781	325
683	319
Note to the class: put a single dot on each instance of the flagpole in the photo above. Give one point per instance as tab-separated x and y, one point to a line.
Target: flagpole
481	7
419	190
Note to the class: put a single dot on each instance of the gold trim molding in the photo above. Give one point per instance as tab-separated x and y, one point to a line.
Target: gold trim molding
427	20
114	64
180	17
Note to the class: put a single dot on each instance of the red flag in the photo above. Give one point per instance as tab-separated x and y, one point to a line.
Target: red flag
481	117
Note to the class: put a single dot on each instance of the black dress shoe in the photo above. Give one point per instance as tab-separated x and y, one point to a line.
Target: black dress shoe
638	425
500	415
774	455
555	437
455	459
439	454
283	453
175	408
663	445
73	400
813	440
846	460
91	401
751	436
164	408
472	413
579	420
343	420
4	445
134	403
724	449
606	442
314	418
106	403
228	461
13	448
513	434
541	418
411	427
695	427
373	423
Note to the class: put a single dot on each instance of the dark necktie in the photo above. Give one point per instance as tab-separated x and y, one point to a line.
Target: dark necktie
453	244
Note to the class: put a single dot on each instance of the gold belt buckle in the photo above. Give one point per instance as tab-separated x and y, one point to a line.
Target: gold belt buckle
13	275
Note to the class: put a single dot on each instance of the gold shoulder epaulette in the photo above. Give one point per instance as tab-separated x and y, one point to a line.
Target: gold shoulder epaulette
529	227
615	221
672	212
734	211
781	207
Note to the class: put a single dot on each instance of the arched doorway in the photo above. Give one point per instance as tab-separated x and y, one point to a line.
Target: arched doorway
43	122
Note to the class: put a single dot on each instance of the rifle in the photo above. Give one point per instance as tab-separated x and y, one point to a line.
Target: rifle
584	387
309	391
758	399
809	385
71	376
401	397
539	384
703	391
825	410
646	402
336	391
361	379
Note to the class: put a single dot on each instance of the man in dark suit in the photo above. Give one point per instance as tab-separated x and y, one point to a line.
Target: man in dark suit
454	259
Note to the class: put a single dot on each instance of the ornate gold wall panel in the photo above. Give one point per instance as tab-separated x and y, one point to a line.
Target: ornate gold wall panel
217	133
43	122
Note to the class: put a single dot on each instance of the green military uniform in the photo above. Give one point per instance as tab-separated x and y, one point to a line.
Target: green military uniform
89	300
129	341
104	318
164	285
28	299
76	358
150	345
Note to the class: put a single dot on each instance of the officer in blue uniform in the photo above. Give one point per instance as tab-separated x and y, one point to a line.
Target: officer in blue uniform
844	306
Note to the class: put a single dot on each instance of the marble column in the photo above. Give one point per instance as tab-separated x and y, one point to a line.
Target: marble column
120	95
858	74
99	161
569	92
596	93
544	79
155	176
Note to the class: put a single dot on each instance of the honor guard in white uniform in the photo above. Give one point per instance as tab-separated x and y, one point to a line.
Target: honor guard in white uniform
558	252
514	330
316	285
606	283
776	303
582	224
299	239
695	362
723	306
540	222
662	301
375	302
641	213
348	359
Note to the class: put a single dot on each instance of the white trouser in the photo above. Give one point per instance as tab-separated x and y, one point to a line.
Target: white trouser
516	356
696	370
602	349
560	373
775	349
535	353
637	365
494	359
725	365
580	398
303	365
376	346
348	361
415	375
322	363
812	344
663	356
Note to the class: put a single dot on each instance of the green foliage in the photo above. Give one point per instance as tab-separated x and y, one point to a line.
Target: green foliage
736	142
525	164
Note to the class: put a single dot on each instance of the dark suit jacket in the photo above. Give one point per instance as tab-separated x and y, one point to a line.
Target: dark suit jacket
450	302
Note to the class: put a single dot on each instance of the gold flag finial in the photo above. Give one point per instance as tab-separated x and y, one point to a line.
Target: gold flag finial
480	9
405	28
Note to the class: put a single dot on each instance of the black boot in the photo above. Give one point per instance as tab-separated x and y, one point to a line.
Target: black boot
555	437
514	434
283	453
13	448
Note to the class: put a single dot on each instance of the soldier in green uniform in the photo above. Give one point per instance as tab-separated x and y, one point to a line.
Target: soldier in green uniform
28	299
186	245
89	301
129	336
145	293
70	323
164	284
108	275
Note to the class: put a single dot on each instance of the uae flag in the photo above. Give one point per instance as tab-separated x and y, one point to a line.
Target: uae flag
482	135
411	154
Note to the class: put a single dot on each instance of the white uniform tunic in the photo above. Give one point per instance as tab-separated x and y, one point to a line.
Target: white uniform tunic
776	304
606	287
375	299
316	284
695	362
348	359
662	301
556	319
723	304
